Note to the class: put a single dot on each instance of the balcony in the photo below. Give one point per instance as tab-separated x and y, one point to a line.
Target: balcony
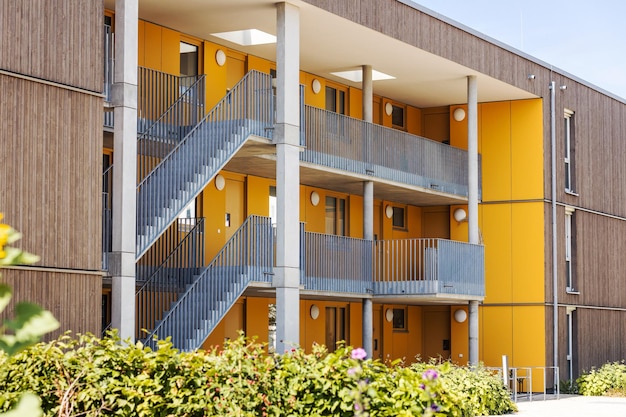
436	268
347	144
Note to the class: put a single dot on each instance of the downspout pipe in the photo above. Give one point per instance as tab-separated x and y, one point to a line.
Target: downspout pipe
555	294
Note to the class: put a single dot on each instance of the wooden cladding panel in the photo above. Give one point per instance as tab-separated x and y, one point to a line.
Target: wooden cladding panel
601	337
56	40
51	170
74	299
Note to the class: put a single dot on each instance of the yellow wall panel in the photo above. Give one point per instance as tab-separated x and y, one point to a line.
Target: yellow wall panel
529	339
152	48
459	230
216	88
414	120
228	328
260	64
314	215
459	336
310	98
415	326
458	130
355	216
213	209
414	221
497	236
258	195
257	318
355	328
141	58
527	149
527	264
170	53
496	334
356	103
496	151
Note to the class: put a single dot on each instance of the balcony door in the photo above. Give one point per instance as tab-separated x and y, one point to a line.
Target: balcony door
336	326
436	332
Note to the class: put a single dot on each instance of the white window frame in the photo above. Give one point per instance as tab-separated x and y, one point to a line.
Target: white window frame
567	158
570	342
569	268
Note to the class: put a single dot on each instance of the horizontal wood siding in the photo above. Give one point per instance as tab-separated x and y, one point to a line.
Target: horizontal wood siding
56	40
51	171
74	299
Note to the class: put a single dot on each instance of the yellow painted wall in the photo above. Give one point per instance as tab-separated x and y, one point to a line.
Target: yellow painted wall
257	318
310	98
459	338
355	216
527	252
526	149
414	121
356	103
257	198
216	87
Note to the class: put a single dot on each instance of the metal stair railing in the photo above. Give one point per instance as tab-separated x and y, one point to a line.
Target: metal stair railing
246	110
162	284
248	256
157	138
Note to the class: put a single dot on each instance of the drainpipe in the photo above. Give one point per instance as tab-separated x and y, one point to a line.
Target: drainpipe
555	295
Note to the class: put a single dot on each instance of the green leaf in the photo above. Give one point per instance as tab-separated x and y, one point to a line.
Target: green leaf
29	406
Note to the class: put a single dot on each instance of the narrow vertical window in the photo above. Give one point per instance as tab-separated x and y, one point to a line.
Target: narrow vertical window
569	150
569	246
571	343
335	216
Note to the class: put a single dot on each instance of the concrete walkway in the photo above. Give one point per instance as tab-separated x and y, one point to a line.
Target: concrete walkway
572	406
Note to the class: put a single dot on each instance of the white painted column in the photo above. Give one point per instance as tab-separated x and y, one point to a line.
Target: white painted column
122	259
368	209
287	140
472	155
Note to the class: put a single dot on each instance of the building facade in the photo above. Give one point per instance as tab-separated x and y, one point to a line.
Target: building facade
362	171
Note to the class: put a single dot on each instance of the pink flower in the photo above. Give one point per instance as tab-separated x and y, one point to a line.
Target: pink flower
359	353
430	375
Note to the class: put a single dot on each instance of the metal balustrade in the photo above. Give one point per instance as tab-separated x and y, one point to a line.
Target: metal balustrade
246	110
161	283
349	144
391	267
248	256
107	216
157	138
336	263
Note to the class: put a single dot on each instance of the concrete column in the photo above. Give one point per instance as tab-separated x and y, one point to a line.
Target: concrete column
122	260
368	209
368	94
472	155
287	140
473	332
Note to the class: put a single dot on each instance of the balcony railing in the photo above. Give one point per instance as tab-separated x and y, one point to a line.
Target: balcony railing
349	144
391	267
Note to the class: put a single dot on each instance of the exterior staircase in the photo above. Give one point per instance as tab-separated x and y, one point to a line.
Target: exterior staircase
194	161
248	256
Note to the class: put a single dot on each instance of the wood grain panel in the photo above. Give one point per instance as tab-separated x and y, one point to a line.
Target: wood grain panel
56	40
601	337
74	299
51	171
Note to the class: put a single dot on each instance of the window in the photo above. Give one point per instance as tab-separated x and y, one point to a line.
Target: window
399	319
571	342
335	216
398	218
397	116
336	326
188	59
569	249
569	151
272	205
335	100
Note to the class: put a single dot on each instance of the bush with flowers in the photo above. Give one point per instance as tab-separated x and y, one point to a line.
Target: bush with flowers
87	376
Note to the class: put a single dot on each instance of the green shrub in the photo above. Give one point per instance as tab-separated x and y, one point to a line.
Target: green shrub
610	379
88	376
478	391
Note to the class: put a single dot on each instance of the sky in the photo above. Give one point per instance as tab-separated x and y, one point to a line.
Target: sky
584	38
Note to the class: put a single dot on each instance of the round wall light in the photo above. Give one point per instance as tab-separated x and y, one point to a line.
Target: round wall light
460	315
220	182
314	312
389	212
389	315
460	215
220	57
388	108
459	114
315	198
316	86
